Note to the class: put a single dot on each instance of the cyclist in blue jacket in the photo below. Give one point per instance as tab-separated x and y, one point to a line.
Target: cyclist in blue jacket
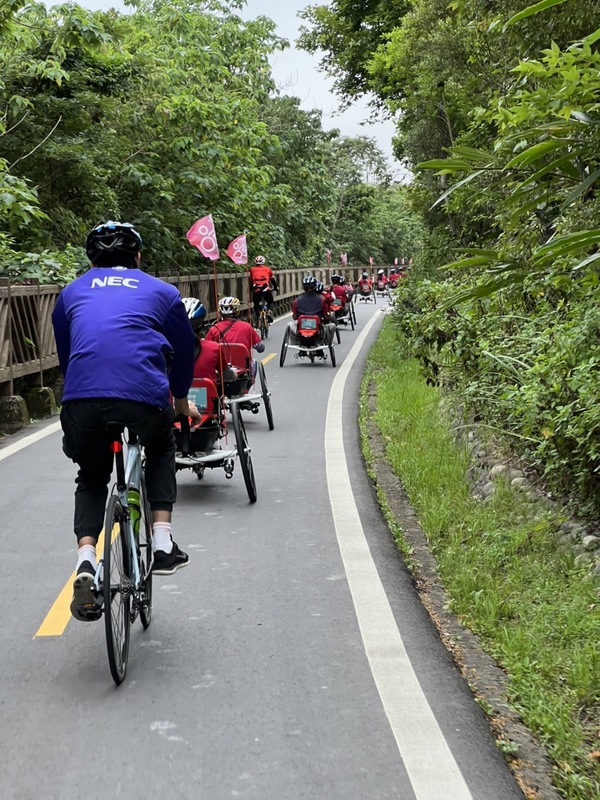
125	345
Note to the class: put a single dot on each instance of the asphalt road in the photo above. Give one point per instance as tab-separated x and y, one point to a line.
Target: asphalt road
291	660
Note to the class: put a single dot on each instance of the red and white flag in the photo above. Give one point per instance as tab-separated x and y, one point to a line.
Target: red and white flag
203	236
396	261
371	260
238	250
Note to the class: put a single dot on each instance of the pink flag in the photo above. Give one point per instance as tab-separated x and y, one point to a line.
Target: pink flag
202	235
328	256
396	262
371	260
238	250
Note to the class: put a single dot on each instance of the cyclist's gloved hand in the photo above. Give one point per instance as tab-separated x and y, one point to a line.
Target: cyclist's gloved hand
260	347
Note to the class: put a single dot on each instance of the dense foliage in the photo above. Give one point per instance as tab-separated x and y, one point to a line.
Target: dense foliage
161	116
499	120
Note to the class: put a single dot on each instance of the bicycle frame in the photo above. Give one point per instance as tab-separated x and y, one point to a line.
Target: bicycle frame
129	476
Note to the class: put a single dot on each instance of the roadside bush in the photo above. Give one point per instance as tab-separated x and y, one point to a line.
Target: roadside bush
527	366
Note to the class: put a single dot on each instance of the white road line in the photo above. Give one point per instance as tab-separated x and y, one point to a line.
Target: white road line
11	449
430	765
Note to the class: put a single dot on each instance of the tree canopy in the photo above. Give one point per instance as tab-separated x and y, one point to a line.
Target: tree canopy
160	116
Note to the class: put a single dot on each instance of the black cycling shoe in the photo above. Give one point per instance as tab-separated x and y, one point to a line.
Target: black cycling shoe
84	605
168	563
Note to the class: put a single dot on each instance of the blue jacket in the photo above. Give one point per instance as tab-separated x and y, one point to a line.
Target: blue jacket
121	333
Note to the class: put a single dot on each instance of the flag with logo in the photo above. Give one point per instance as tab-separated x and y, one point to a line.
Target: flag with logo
203	236
238	250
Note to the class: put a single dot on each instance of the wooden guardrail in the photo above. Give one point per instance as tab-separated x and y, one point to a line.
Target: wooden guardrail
27	343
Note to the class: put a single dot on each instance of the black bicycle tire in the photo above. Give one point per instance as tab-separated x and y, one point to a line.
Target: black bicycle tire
338	335
284	347
118	651
243	452
266	397
332	355
145	538
351	320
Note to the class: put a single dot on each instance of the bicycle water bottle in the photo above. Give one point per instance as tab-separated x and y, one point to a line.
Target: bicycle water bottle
133	501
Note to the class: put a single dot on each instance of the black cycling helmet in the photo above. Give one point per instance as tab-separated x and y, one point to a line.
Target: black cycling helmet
336	278
113	244
310	282
319	287
365	275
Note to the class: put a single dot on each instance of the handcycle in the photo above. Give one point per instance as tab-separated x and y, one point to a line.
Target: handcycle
207	446
381	289
342	315
237	380
366	294
123	580
308	340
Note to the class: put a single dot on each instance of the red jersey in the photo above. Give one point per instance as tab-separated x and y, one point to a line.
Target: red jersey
261	276
339	292
237	331
207	363
365	285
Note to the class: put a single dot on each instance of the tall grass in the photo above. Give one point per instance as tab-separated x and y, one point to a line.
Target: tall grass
534	609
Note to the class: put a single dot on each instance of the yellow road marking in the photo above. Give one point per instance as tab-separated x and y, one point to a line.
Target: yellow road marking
59	615
266	359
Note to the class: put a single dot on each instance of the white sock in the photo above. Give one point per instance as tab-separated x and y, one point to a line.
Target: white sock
87	552
161	537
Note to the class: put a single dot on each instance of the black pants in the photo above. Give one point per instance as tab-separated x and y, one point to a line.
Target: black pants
258	296
87	443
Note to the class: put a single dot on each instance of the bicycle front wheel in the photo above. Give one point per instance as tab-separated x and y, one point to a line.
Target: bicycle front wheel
243	452
145	558
116	589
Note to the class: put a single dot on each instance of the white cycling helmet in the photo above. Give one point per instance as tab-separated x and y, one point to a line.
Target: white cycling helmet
229	306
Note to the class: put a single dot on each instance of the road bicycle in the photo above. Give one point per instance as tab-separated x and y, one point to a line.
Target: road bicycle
262	322
123	580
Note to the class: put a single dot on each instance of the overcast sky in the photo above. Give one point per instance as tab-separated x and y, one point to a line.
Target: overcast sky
295	72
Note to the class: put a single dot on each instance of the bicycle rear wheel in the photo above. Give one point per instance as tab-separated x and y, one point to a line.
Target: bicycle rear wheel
332	355
263	325
145	558
265	394
284	347
116	589
243	451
